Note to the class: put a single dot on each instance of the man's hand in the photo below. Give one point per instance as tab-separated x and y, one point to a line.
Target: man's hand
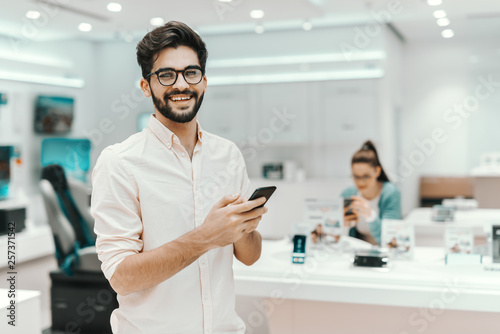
228	221
231	218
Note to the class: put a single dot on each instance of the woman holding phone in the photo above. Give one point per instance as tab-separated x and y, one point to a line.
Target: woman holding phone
373	197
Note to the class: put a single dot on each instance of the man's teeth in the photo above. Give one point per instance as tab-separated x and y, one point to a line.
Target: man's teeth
181	98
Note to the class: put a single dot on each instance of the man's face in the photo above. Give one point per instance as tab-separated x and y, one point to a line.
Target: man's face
181	101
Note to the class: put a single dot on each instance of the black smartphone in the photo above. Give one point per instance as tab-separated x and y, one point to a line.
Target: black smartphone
262	192
347	203
299	244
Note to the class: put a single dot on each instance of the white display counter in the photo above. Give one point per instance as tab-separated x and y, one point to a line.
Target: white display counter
328	278
431	233
331	278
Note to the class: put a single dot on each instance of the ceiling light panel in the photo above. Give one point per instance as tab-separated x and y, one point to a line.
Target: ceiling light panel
434	2
33	14
443	22
439	14
447	33
257	14
85	27
157	21
114	7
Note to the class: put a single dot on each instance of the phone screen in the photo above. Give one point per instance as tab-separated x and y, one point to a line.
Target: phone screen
299	243
347	203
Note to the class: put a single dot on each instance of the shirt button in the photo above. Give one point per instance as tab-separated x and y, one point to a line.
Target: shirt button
203	262
205	296
183	154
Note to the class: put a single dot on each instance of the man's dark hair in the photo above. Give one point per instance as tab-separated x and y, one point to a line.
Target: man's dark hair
171	35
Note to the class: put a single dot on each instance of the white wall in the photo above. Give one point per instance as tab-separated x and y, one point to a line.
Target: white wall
436	76
119	99
390	96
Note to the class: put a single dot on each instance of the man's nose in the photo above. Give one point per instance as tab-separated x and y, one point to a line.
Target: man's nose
180	83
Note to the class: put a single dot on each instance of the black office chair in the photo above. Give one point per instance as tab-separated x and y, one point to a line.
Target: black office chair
79	278
74	239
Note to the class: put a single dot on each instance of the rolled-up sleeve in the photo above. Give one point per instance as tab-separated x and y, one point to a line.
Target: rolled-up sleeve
116	210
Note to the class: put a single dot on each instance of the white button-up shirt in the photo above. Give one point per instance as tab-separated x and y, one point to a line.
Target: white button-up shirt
147	192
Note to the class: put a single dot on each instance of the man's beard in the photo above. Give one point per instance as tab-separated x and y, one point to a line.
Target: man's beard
166	110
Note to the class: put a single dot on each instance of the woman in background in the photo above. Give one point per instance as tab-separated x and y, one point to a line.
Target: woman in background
373	197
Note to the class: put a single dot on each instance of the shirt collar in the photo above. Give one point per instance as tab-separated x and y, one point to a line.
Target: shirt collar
165	135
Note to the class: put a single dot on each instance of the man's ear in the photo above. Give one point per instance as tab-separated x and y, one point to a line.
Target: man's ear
205	79
145	87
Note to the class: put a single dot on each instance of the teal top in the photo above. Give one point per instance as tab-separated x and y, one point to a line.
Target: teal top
389	206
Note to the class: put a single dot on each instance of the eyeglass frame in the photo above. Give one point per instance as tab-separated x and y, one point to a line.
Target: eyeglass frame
363	178
190	67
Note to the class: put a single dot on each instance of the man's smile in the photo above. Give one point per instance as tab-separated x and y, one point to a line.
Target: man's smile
180	98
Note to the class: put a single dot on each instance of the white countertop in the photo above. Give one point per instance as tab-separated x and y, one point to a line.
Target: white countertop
330	277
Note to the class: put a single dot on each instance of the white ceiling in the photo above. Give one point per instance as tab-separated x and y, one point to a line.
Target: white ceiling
469	19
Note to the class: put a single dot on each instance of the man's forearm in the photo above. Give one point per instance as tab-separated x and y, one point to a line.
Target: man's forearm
247	250
144	270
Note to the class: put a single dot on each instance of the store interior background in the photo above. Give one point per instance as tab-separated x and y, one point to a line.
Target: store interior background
397	92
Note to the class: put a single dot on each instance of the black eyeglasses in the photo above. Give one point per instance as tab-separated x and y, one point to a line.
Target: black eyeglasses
362	177
168	76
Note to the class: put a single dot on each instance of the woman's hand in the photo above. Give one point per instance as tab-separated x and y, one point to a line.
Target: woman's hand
351	219
361	206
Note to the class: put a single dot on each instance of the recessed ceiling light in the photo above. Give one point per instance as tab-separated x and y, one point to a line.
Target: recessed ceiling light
33	14
307	26
259	29
439	14
257	14
225	0
434	2
85	27
114	7
157	21
443	22
447	33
